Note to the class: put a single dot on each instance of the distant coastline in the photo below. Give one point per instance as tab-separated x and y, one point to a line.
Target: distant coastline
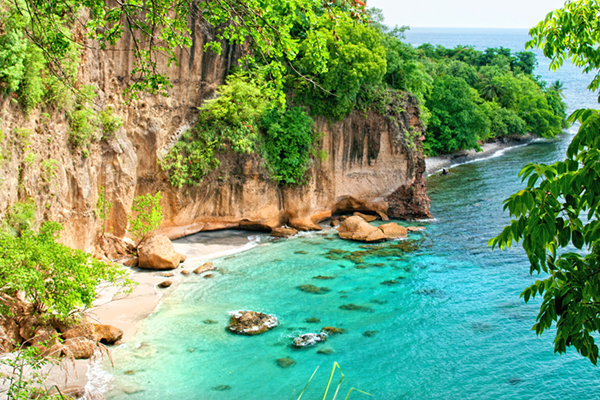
447	161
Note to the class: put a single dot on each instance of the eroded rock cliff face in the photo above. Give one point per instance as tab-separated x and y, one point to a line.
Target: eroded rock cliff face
374	162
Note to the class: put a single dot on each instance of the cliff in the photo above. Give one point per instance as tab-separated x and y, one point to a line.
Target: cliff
375	162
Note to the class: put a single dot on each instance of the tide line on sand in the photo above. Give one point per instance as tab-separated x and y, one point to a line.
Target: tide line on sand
488	150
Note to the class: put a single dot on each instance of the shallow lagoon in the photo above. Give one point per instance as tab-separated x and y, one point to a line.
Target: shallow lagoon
448	322
439	313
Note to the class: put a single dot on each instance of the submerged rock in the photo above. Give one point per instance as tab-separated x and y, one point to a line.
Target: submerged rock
369	333
314	289
132	389
356	228
312	320
251	322
309	339
285	362
355	258
431	292
323	278
204	267
354	307
332	330
325	350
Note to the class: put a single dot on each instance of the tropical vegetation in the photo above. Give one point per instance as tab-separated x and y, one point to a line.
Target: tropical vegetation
557	215
54	278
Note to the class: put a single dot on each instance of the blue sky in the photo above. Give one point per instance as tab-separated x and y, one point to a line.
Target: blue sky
466	13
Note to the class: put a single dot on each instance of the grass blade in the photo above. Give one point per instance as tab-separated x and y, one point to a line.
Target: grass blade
305	386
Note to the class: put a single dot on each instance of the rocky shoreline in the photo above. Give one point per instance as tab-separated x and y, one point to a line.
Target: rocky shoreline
436	164
128	311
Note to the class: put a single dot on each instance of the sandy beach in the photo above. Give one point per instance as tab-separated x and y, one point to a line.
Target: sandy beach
128	311
436	164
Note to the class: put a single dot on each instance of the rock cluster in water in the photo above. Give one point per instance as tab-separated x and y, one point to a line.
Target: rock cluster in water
251	322
358	228
309	339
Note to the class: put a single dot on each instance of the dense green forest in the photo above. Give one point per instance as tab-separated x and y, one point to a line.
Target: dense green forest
337	63
466	96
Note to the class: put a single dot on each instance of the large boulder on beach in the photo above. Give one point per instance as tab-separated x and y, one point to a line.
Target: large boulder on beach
105	334
394	231
79	348
251	322
157	252
356	228
115	248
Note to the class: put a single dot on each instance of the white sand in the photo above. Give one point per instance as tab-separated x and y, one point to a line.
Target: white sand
436	164
127	312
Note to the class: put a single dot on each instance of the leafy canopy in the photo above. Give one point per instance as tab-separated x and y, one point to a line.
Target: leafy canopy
557	215
55	278
159	29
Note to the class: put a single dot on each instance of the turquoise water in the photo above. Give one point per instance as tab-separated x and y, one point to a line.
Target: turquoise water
452	326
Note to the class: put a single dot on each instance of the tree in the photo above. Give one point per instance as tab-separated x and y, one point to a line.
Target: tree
456	120
160	28
557	215
54	278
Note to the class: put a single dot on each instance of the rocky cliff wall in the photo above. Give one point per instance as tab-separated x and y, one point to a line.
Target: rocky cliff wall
375	162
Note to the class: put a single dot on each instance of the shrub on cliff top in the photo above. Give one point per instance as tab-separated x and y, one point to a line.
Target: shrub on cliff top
355	57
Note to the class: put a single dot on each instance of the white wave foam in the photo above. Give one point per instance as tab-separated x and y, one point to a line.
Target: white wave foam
496	154
224	253
98	379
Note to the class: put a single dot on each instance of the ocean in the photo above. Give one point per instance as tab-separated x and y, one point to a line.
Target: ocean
438	317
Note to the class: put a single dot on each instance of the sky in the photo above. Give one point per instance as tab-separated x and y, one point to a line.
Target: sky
465	13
